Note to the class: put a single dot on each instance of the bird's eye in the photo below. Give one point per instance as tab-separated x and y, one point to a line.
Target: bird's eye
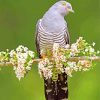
68	6
64	3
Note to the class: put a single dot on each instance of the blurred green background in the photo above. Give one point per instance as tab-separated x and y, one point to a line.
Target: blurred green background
17	26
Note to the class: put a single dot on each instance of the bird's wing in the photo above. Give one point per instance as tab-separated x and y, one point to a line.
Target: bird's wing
37	39
67	36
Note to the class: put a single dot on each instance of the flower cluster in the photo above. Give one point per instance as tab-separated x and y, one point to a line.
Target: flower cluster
54	62
22	59
45	68
49	68
4	56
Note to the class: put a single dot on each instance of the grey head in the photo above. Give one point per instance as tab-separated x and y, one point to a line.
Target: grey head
53	20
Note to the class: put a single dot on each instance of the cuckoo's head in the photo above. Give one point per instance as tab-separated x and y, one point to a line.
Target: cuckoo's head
63	7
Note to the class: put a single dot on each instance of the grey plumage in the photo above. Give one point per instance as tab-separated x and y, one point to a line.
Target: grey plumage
50	29
52	25
45	40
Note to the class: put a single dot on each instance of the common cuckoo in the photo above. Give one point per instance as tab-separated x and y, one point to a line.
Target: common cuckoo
50	29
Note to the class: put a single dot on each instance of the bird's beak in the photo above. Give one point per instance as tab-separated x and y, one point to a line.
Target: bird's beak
71	10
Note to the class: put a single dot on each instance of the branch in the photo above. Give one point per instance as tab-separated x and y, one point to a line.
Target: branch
75	59
5	64
22	59
97	58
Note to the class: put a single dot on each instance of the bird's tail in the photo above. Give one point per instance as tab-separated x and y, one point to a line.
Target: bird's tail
56	90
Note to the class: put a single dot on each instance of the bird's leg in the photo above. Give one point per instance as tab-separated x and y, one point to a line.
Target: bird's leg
62	87
49	87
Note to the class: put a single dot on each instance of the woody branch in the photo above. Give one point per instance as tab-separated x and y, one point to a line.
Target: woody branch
75	59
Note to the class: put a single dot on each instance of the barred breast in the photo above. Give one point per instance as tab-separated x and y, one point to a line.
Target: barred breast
46	39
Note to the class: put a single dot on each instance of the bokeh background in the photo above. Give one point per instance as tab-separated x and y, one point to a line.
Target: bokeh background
17	26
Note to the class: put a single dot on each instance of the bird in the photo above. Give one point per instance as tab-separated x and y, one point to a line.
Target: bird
52	28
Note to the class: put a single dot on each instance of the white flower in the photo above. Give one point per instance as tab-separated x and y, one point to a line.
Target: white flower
14	67
46	60
86	50
55	46
31	53
12	53
71	64
57	59
13	61
19	58
74	48
63	58
2	53
45	68
20	71
22	57
30	62
75	68
40	68
28	68
68	71
59	65
25	49
19	48
85	69
61	69
80	68
40	73
85	63
91	50
98	52
47	73
93	43
78	40
72	54
42	64
43	51
67	46
50	66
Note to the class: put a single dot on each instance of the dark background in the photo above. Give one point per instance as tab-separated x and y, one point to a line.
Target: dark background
17	26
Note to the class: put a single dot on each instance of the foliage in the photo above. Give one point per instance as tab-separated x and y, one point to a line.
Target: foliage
21	59
60	64
52	62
